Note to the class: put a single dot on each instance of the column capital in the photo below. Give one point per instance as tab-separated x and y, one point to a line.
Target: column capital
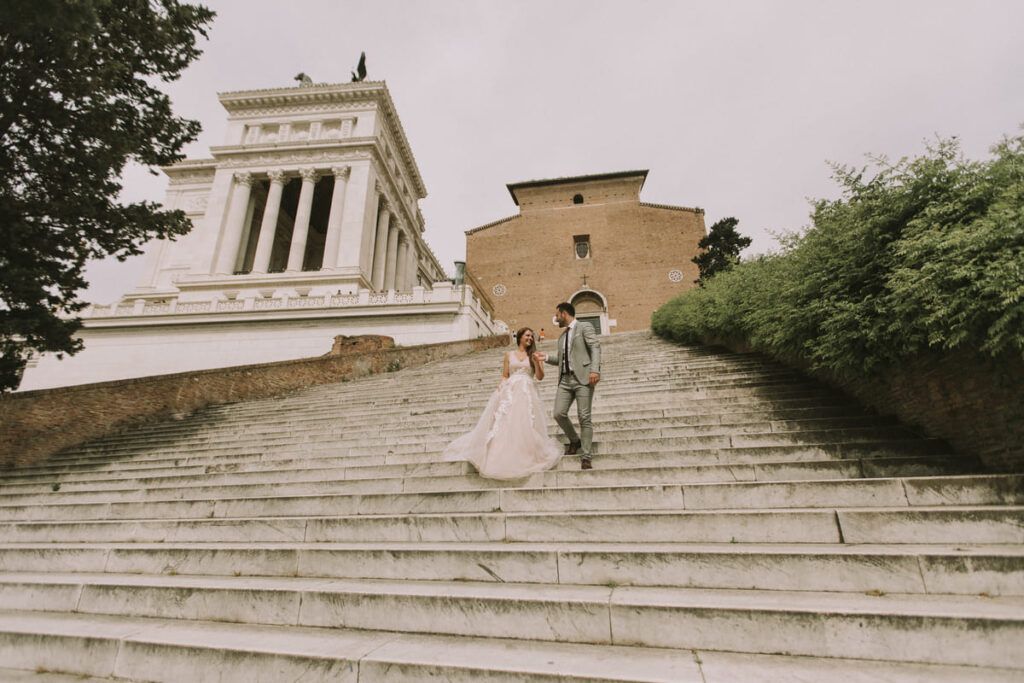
308	174
341	171
244	178
276	175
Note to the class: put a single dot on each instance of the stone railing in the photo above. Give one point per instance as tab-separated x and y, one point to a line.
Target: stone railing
481	293
36	424
443	292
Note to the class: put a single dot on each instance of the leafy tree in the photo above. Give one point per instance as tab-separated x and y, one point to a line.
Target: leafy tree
722	246
78	101
918	256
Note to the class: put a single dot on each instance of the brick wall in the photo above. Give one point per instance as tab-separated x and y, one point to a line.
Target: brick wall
37	424
633	248
974	403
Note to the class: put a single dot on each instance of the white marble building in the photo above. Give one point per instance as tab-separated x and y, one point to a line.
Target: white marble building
306	226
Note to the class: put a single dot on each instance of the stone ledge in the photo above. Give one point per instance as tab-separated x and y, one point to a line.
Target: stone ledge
36	424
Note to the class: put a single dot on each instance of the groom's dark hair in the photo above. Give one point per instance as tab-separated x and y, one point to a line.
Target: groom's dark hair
567	307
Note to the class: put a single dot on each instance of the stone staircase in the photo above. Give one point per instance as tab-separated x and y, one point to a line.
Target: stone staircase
741	524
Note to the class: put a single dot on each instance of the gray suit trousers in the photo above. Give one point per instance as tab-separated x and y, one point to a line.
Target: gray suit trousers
569	390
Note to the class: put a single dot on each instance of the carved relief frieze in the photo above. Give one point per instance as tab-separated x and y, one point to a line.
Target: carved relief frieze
194	203
189	178
326	107
265	158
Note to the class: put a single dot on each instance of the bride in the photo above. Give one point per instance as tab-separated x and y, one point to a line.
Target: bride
510	441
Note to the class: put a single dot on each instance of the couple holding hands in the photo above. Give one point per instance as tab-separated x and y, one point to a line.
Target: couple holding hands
510	441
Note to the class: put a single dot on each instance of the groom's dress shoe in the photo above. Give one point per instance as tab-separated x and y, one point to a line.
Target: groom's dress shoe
573	447
586	464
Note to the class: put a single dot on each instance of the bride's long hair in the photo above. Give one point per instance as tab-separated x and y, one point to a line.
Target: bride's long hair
531	348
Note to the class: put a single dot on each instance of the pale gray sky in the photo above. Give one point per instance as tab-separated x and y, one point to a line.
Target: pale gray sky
734	106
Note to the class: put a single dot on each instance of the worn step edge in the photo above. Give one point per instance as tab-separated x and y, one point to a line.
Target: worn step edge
985	631
972	570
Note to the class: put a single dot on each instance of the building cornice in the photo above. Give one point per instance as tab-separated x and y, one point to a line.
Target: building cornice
316	95
221	151
190	171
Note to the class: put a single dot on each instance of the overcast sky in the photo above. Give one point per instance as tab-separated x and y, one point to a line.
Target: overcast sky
733	106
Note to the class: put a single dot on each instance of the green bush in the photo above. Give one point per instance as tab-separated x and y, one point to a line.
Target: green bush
925	253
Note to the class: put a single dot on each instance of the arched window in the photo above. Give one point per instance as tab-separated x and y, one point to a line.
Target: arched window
577	199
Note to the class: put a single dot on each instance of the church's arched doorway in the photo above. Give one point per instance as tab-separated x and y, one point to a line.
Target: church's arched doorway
592	309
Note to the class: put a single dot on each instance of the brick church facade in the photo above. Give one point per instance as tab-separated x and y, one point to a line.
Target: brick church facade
588	240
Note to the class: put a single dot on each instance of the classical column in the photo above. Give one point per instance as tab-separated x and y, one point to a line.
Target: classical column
297	252
402	266
268	227
380	246
228	255
392	257
412	269
341	174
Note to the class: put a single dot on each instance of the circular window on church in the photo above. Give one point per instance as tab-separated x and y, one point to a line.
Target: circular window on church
675	275
500	290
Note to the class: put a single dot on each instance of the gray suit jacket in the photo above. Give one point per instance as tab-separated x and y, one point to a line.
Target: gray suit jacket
584	353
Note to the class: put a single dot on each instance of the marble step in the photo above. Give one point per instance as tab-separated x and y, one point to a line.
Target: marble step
441	433
175	651
40	674
606	397
603	445
425	414
459	394
934	569
833	493
204	423
608	445
615	389
452	476
468	383
898	525
399	434
367	466
172	651
943	629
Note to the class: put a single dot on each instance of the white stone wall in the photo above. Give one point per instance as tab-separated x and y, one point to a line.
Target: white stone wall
120	353
154	339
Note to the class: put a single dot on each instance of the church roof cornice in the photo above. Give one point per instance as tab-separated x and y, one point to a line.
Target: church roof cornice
240	101
572	180
493	223
673	207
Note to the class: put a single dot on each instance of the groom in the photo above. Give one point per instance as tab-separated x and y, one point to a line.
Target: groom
579	371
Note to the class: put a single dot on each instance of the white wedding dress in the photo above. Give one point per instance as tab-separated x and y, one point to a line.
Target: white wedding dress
510	441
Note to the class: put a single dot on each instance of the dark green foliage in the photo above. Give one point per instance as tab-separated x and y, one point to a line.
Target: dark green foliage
77	102
927	253
722	246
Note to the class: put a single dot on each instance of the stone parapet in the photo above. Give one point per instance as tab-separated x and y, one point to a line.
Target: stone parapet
37	424
245	301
